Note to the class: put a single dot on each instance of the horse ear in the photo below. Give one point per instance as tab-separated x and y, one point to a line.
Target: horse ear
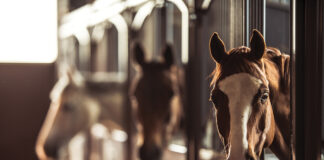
257	44
139	54
75	78
217	48
168	55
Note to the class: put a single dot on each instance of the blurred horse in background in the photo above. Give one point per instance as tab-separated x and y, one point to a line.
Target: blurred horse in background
156	101
76	106
251	93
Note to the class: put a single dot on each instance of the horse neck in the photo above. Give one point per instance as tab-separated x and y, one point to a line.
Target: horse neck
279	82
280	100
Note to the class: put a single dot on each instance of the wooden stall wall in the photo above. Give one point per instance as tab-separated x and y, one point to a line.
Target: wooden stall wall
24	101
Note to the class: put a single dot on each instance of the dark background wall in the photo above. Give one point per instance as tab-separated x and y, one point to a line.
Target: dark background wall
278	26
24	101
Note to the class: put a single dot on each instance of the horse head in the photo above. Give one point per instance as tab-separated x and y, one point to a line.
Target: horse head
246	84
72	110
157	99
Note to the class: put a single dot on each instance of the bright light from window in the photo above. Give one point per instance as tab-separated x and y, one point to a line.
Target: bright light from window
28	31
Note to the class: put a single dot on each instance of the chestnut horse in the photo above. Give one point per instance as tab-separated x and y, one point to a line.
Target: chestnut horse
251	94
156	102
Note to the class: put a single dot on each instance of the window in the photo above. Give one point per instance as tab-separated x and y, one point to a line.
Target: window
28	32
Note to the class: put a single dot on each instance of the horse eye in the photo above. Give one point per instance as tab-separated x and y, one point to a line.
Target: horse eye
67	108
264	97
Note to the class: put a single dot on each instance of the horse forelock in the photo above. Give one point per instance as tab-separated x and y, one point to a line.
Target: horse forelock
232	58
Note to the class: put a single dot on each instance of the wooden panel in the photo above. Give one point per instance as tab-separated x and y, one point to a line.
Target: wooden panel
24	92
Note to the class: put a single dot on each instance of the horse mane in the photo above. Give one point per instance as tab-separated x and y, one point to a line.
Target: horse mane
282	61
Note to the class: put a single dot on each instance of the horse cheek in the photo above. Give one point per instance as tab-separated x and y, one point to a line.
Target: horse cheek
271	132
223	122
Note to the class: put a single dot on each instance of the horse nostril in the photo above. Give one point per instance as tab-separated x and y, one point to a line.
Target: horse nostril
51	150
156	152
152	153
142	153
248	157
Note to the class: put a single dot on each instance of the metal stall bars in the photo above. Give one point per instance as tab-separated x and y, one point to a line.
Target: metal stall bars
254	14
141	15
76	24
147	9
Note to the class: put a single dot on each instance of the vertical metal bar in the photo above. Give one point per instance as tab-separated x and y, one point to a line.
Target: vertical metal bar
293	78
313	44
122	29
193	86
300	47
156	33
184	29
169	23
190	103
123	74
83	38
256	13
309	54
247	22
160	30
264	18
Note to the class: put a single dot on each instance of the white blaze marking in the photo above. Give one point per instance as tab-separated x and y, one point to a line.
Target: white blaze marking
240	89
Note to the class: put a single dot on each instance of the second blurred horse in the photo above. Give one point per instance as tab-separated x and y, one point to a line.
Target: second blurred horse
156	101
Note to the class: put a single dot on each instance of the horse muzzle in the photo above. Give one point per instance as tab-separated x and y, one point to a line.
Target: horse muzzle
247	156
51	150
151	153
